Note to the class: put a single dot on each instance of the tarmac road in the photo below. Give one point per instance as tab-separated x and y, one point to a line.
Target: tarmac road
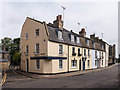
107	78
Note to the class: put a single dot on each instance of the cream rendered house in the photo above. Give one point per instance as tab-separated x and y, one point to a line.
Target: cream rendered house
50	48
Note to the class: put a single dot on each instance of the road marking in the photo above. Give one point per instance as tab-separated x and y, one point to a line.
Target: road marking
3	79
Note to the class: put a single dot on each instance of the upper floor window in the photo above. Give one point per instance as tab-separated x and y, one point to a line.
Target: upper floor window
84	52
87	41
78	40
60	49
37	32
26	36
37	48
59	35
96	54
73	50
72	38
88	53
26	49
78	50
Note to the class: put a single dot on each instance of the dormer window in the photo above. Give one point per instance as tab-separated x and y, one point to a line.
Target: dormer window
101	46
87	41
26	36
78	40
93	43
60	35
72	38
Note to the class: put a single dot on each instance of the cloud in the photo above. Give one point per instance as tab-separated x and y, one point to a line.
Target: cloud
97	17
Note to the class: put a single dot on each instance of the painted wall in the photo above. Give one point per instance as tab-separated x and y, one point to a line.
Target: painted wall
53	50
88	58
71	57
29	27
106	54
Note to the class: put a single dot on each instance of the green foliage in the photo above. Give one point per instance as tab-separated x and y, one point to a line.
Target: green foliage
12	46
5	43
16	58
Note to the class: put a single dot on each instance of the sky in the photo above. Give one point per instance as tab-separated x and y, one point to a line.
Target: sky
98	17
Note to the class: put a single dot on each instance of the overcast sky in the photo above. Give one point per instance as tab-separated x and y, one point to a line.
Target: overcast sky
98	17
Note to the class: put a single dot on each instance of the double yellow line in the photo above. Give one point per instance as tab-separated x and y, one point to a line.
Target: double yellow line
3	79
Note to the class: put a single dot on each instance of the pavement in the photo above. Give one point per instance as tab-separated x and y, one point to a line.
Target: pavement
102	78
37	76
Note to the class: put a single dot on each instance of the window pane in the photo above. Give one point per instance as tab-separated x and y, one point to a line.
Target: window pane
60	64
37	64
60	49
37	32
37	48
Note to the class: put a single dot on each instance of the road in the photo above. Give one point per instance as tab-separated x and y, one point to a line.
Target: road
107	78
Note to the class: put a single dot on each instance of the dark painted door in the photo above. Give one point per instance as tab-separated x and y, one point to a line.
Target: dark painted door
97	64
27	66
83	64
80	65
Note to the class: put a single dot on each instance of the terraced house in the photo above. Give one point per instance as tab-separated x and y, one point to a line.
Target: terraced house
50	48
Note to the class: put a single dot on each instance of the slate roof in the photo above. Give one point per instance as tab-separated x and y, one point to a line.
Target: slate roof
67	38
53	36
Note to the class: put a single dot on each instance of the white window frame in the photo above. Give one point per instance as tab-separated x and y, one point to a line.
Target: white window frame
36	64
60	35
78	40
60	64
88	52
38	32
73	63
27	49
72	38
60	49
36	49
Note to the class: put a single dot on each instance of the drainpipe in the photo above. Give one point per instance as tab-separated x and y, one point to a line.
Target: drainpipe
68	58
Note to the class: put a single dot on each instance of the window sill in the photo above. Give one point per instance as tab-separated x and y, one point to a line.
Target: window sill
37	69
60	69
73	67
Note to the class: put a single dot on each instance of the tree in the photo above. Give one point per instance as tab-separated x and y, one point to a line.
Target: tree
12	46
16	58
5	43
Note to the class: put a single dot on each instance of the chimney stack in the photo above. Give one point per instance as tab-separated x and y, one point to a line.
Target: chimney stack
58	23
82	32
92	36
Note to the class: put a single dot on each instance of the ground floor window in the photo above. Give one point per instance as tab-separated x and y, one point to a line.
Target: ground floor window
60	64
74	63
95	62
88	63
37	64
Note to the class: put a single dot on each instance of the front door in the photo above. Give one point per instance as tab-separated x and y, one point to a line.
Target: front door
83	65
97	63
80	65
27	65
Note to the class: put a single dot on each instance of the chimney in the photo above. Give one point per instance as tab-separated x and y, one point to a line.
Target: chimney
92	36
58	23
82	32
97	37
